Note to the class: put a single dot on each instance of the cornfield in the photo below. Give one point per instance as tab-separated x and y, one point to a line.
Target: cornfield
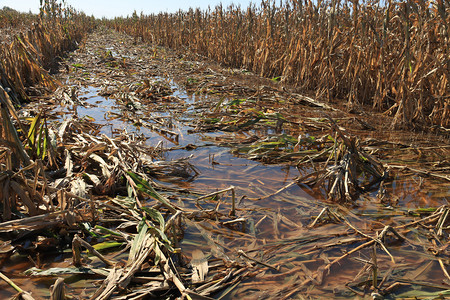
112	152
12	21
30	52
392	56
34	44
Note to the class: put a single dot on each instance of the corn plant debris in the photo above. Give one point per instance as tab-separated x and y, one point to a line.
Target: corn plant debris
149	175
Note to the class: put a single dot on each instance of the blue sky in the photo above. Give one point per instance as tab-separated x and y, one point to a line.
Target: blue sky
112	8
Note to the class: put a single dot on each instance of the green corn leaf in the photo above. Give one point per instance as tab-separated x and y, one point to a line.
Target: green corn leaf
164	238
45	144
107	245
107	230
145	187
156	216
32	131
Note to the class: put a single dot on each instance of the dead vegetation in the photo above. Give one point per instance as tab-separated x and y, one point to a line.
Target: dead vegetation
390	55
103	214
58	176
81	167
12	22
33	52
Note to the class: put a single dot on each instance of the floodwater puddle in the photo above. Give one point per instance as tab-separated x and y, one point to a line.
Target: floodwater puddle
217	167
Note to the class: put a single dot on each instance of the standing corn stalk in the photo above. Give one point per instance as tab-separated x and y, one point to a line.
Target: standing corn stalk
390	55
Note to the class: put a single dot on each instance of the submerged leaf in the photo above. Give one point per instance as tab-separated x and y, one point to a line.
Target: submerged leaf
418	294
199	264
64	271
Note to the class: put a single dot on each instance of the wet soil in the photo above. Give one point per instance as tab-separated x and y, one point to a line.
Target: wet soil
228	125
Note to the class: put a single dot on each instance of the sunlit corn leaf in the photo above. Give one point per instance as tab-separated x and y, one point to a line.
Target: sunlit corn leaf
276	79
38	137
65	271
41	144
236	102
155	215
45	144
87	226
32	132
127	202
105	167
107	230
107	245
138	241
94	178
68	165
79	187
64	126
145	187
